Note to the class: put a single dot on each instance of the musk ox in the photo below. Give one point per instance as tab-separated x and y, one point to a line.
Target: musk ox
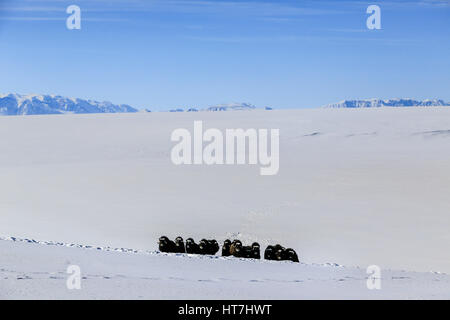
179	245
208	246
235	245
269	253
280	253
166	245
226	248
291	255
240	251
256	250
192	247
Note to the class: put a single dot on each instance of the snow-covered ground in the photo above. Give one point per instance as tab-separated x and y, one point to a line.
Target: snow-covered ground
355	187
34	271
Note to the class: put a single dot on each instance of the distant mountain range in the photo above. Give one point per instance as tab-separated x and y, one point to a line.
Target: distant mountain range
232	106
376	103
221	107
17	104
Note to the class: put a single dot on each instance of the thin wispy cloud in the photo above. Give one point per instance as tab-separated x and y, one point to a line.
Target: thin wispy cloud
274	12
248	8
389	3
32	9
62	19
238	39
31	19
304	38
349	30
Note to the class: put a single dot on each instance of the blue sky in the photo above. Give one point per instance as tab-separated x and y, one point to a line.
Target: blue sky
181	53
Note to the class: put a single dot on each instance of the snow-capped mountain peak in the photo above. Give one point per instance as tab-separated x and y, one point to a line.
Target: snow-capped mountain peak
231	106
397	102
18	104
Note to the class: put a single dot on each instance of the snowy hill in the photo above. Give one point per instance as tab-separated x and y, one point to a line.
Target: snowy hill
17	104
31	270
375	103
356	187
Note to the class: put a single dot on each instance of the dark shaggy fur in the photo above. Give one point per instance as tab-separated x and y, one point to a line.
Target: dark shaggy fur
166	245
208	247
278	252
226	248
179	245
192	247
240	251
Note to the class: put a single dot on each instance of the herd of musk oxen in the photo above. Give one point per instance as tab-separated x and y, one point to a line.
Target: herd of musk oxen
234	249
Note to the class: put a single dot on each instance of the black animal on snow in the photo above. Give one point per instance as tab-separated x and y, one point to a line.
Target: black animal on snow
179	245
269	253
240	251
208	246
291	255
278	252
234	245
166	245
226	248
256	250
192	247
